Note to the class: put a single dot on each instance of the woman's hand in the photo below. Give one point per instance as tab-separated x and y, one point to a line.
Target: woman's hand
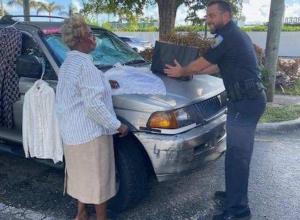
123	130
114	84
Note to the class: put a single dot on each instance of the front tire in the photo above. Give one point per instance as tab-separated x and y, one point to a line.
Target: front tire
132	176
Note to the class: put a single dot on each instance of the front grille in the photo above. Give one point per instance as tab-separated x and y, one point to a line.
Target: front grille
205	110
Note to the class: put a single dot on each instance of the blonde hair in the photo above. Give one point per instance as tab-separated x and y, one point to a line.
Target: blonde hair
73	30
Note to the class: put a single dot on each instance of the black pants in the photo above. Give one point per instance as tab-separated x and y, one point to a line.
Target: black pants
242	120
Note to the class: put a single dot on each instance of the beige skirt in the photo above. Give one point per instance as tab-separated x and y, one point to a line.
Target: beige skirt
90	170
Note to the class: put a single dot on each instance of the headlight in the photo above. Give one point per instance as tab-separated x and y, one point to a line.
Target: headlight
170	119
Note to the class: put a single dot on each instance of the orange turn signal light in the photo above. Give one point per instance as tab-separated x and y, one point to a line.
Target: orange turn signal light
166	120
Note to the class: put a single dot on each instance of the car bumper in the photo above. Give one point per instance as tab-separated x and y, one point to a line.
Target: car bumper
173	155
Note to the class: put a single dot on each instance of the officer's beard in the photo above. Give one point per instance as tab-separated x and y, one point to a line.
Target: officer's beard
215	27
212	30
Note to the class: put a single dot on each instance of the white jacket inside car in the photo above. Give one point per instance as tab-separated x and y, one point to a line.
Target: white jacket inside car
41	136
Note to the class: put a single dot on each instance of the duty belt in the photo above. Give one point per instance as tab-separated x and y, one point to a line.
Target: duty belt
247	89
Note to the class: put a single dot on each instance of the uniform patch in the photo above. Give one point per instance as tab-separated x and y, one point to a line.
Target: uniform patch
217	41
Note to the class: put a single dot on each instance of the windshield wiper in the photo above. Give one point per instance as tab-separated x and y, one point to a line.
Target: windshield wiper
138	61
103	66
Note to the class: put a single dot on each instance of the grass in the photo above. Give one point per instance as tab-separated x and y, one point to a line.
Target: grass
264	28
281	113
192	28
295	90
284	113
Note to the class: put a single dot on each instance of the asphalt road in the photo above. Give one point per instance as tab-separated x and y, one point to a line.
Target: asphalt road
29	190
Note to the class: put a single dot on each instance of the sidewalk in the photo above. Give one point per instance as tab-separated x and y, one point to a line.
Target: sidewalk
281	100
286	100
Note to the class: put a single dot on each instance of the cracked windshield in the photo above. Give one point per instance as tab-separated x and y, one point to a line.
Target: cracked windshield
109	50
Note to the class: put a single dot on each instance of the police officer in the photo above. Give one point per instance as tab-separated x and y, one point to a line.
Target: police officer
233	54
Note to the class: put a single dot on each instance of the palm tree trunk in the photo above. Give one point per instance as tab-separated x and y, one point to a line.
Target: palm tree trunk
26	10
2	8
272	45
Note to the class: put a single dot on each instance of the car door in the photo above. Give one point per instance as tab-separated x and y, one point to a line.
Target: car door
26	81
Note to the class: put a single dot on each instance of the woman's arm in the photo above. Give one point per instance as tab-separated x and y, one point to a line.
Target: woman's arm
94	96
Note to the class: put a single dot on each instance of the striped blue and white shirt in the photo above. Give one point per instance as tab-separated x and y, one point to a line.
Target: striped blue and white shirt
83	101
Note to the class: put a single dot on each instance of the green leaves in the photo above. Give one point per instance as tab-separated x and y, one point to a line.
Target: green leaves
130	10
123	8
49	7
39	6
195	6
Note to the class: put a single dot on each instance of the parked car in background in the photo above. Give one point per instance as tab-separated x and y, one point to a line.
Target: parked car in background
137	44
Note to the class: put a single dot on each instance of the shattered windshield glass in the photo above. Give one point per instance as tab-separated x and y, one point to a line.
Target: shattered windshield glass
109	50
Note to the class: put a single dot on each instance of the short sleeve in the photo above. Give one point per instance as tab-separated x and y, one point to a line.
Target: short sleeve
217	50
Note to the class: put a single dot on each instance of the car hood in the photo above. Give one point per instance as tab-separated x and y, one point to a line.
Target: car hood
179	93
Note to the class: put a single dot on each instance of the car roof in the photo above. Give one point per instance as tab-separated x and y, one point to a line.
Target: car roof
36	25
44	25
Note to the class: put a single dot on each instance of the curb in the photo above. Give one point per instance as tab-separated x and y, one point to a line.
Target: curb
278	126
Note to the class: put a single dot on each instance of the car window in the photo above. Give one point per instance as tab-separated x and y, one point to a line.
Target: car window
58	47
125	39
136	40
30	47
109	49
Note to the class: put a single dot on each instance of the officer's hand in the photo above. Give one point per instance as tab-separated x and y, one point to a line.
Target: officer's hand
174	71
123	130
114	84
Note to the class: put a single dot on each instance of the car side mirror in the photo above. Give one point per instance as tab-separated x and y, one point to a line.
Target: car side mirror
29	66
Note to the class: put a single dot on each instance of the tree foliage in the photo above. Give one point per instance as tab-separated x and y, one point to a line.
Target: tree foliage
125	9
195	6
38	5
49	7
131	9
32	3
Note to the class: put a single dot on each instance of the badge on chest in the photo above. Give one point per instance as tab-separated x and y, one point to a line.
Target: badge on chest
217	41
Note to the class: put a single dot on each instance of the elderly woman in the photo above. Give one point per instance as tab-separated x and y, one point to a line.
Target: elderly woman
87	121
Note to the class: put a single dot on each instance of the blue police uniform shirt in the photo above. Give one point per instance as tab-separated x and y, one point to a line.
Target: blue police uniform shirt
234	53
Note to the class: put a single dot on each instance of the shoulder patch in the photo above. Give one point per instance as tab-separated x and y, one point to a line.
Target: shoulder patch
217	41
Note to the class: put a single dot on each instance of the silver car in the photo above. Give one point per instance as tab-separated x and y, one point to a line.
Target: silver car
137	44
169	135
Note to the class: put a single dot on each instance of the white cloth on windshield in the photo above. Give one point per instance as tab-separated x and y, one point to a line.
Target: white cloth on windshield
41	136
135	80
